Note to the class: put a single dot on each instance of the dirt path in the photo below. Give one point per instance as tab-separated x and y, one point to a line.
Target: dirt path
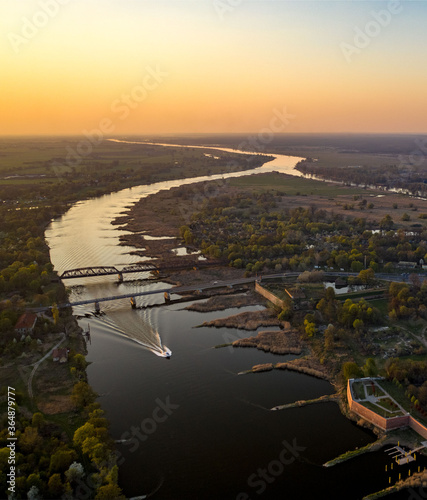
38	363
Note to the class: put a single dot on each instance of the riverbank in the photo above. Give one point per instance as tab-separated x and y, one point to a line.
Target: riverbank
226	300
416	483
286	341
306	402
246	320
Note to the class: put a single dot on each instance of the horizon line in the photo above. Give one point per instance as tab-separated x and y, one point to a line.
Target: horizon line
186	134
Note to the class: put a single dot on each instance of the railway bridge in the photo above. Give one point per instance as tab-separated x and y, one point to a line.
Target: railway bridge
87	272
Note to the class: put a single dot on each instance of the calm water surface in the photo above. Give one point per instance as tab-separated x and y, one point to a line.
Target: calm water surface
191	427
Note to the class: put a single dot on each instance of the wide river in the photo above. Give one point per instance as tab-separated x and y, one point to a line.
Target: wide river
191	427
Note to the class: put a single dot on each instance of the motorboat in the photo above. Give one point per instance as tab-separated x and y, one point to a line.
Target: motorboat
164	352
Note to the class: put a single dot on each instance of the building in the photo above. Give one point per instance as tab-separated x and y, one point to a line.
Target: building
407	265
26	323
60	354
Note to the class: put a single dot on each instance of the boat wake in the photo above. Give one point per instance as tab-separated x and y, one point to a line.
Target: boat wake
138	328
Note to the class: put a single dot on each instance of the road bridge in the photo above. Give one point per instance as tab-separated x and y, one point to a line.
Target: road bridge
167	292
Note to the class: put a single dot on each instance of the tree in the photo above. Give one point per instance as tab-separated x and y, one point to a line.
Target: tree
37	420
351	370
330	294
55	486
33	493
30	440
61	460
358	325
286	313
370	368
75	472
309	327
83	394
110	491
78	361
84	432
329	338
33	480
366	275
55	314
356	266
388	267
387	223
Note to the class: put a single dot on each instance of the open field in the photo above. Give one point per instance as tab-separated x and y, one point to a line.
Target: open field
399	396
44	162
293	186
338	198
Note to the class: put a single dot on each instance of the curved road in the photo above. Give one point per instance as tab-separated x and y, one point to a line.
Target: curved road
37	364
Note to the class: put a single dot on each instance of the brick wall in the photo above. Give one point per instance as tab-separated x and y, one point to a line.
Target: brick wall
268	295
386	424
418	427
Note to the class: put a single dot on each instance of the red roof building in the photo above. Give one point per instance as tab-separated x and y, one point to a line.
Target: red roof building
60	354
26	323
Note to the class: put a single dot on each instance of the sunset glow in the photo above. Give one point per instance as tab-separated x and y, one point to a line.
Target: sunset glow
207	66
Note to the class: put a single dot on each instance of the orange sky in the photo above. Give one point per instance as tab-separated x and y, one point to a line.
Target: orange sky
183	66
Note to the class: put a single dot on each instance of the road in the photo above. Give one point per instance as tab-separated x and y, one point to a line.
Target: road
219	284
38	363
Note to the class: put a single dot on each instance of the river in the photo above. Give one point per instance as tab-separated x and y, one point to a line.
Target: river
189	426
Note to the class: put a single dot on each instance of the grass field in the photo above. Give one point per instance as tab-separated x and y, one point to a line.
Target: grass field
398	395
358	390
337	159
381	305
35	160
293	186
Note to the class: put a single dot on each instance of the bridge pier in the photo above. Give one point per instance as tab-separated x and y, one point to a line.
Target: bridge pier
133	302
167	297
97	307
120	277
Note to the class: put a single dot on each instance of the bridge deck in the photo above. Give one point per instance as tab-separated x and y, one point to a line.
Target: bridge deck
204	286
87	272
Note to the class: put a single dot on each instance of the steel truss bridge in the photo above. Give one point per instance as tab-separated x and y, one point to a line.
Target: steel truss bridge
87	272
